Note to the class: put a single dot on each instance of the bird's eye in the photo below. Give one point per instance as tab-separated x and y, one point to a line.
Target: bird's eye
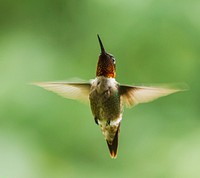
113	59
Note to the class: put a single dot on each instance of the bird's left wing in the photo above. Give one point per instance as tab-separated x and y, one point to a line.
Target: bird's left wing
133	95
76	91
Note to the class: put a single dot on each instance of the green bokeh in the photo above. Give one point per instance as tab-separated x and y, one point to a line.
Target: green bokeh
43	135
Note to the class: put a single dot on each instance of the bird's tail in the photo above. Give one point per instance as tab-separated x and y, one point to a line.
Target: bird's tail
114	144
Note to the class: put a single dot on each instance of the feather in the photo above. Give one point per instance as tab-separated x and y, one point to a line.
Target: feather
114	145
76	91
133	95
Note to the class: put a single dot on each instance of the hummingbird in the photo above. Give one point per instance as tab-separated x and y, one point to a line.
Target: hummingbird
107	97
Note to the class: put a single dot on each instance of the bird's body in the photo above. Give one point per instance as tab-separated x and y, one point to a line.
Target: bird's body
107	97
106	106
105	100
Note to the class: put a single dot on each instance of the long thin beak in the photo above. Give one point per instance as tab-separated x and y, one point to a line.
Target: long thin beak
101	45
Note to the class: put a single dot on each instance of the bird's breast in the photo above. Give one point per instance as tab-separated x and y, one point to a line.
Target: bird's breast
104	99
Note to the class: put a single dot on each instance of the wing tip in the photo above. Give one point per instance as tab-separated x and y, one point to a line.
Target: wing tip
36	83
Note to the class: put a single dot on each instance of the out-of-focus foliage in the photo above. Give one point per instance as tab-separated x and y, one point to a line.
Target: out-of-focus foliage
43	135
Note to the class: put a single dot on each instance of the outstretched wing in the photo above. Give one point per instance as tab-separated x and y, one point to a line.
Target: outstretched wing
76	91
133	95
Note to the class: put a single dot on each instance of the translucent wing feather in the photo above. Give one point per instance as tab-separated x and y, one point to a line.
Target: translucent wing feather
133	95
76	91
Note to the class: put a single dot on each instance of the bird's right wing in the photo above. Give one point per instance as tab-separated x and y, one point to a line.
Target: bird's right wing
133	95
76	91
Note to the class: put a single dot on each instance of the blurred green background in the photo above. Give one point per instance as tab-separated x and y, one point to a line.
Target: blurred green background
43	135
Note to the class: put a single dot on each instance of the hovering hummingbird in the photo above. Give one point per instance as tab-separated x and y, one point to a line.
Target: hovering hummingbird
107	97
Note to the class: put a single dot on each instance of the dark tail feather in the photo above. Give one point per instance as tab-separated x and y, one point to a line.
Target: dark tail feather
114	145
